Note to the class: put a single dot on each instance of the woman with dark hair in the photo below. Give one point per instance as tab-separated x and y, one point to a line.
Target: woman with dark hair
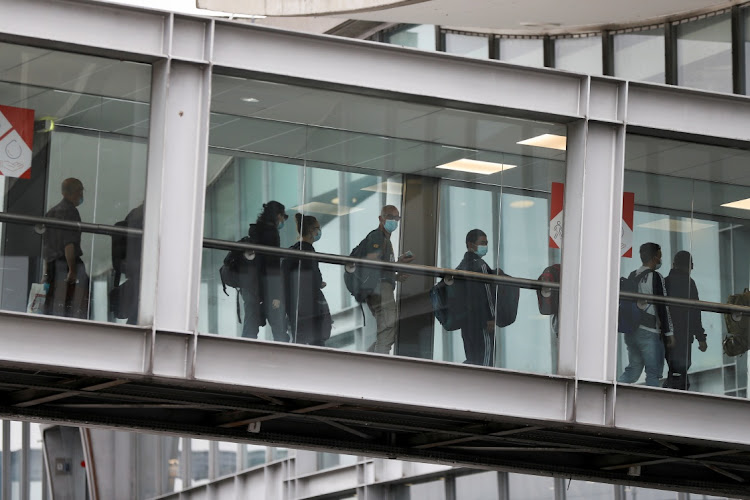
307	308
264	300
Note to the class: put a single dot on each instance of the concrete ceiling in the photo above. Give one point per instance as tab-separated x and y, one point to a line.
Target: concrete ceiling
531	16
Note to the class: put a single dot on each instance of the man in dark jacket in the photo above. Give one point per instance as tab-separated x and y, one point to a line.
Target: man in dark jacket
68	293
646	344
479	331
687	322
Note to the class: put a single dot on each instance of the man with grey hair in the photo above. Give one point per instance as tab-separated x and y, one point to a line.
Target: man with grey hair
381	301
65	273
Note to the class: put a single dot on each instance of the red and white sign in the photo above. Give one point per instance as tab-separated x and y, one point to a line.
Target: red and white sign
626	235
556	215
16	141
556	220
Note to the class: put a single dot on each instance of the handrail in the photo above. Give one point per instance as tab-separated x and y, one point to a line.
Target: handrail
85	227
345	260
438	272
692	303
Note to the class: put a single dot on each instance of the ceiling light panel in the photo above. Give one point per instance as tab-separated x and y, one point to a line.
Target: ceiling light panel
549	141
476	166
740	204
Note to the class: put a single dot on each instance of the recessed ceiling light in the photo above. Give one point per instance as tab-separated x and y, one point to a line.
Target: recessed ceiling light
675	225
476	166
740	204
549	141
387	187
522	204
250	99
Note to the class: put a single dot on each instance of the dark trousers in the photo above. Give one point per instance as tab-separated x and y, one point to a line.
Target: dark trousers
479	345
679	359
70	300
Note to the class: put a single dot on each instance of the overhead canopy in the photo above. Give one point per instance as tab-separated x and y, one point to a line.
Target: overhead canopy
530	16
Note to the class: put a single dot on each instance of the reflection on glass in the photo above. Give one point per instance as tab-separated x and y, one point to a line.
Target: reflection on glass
582	55
417	36
467	45
683	202
80	126
639	55
704	53
523	51
388	181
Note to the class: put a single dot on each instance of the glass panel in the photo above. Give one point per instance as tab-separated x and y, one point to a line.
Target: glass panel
682	218
199	451
582	55
704	53
343	174
254	455
746	31
640	55
588	490
523	51
634	493
523	487
417	36
482	486
329	460
172	453
226	458
467	45
77	127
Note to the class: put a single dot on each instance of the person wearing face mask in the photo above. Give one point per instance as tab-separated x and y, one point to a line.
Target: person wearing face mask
306	306
687	322
264	299
646	344
478	332
381	301
65	272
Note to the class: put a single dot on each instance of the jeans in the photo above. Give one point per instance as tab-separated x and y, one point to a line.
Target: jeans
645	349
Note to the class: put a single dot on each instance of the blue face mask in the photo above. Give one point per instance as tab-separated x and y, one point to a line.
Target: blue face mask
481	250
280	225
318	235
390	225
80	202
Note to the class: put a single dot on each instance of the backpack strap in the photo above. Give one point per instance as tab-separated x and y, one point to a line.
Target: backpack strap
239	319
364	318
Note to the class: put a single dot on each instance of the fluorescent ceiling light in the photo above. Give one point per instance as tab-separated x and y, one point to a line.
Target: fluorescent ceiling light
250	99
387	187
740	204
317	207
675	225
476	166
522	204
549	141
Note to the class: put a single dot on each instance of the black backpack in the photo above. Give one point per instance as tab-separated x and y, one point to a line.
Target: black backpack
237	271
507	303
363	280
447	304
629	314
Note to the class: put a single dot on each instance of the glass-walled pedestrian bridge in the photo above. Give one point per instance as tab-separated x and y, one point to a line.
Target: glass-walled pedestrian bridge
139	147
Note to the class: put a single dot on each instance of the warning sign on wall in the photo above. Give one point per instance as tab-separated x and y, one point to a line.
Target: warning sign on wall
626	235
556	220
16	141
556	215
